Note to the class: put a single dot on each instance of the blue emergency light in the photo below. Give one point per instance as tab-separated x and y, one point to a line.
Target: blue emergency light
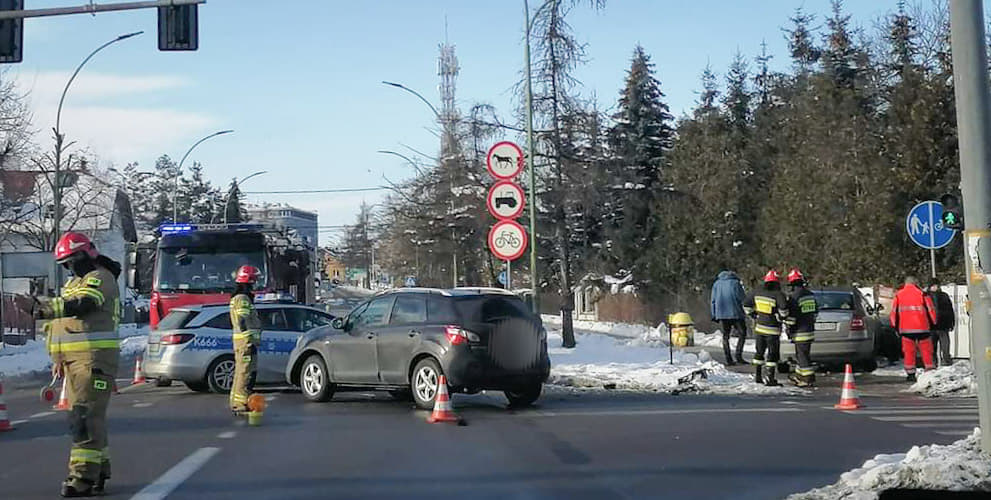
176	228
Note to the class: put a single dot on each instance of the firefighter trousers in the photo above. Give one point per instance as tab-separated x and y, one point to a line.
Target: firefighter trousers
89	392
803	354
770	344
245	369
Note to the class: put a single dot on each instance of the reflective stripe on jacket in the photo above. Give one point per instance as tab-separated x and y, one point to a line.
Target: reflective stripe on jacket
912	312
244	320
769	309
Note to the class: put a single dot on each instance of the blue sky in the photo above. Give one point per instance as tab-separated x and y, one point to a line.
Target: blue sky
299	80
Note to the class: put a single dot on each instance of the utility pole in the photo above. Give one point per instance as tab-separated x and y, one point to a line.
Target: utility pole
970	78
532	157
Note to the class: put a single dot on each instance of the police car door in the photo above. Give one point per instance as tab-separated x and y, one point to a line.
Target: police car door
277	341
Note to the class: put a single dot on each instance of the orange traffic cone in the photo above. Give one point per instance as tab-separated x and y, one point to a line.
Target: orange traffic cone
442	405
139	374
63	399
849	399
4	419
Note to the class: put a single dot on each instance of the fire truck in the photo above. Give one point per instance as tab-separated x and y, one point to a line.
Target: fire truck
190	264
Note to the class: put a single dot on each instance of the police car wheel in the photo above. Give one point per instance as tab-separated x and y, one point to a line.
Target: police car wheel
314	380
220	375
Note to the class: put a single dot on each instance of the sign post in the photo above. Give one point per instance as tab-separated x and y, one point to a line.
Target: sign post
924	225
505	201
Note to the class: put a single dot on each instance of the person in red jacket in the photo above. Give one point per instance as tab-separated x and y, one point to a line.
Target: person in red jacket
912	316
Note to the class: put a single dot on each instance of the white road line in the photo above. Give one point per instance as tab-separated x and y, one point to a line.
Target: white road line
42	414
933	411
933	407
956	433
654	412
227	435
928	418
18	422
935	425
141	405
176	475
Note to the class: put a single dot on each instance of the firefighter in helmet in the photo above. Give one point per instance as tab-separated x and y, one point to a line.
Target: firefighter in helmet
768	307
247	336
85	349
801	322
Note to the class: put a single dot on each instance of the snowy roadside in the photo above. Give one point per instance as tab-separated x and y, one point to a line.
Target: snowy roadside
956	380
601	362
644	333
31	359
960	466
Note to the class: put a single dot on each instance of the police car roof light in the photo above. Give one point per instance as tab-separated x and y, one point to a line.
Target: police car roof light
176	228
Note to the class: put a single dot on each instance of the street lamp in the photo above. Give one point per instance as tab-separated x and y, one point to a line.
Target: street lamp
411	91
407	158
531	153
175	191
59	147
237	184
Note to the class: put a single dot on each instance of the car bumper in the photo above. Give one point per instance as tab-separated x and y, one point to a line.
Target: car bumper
174	363
467	370
834	350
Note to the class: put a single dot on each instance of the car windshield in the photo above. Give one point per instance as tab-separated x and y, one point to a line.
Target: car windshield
203	270
842	301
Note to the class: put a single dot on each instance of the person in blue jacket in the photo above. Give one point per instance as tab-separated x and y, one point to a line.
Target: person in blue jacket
727	310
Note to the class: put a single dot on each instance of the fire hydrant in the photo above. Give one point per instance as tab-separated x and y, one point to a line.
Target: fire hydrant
682	329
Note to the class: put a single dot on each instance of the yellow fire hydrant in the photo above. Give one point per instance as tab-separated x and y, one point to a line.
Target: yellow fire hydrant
682	329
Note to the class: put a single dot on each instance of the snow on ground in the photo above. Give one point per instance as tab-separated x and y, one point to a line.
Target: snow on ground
602	362
716	340
954	380
958	467
615	329
32	357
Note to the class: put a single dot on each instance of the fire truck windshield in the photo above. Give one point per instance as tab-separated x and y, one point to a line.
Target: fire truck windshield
203	270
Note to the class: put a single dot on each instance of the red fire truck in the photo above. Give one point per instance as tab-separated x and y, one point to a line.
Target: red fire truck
188	264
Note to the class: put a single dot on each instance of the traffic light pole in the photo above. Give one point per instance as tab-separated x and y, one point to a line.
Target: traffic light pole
971	89
93	8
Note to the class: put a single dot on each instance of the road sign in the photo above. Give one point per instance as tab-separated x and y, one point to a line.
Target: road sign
505	160
502	278
507	240
505	200
925	226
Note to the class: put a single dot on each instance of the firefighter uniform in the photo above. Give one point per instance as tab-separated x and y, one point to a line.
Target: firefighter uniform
768	308
247	336
83	340
801	323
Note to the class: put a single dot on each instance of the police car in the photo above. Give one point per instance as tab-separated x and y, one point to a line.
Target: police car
193	344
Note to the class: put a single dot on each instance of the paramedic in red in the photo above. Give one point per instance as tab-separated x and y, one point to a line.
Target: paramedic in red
912	316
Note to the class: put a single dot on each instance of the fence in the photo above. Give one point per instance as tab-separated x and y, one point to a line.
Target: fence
16	326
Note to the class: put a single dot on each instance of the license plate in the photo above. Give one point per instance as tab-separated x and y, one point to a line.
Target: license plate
830	326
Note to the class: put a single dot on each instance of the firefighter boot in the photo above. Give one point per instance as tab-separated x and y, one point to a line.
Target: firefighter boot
796	379
772	380
77	488
757	374
810	380
100	487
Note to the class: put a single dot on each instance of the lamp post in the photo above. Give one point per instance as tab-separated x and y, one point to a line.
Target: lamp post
532	156
237	185
444	142
175	190
60	147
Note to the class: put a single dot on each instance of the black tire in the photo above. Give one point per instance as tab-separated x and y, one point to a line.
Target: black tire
217	378
524	396
163	382
402	395
200	386
314	380
424	383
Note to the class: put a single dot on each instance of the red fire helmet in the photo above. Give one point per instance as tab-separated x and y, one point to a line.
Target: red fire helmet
772	276
247	274
72	243
795	276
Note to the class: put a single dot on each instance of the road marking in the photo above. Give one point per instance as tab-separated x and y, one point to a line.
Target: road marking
934	425
933	411
872	407
654	412
18	422
141	405
42	414
129	388
227	435
175	476
924	418
956	433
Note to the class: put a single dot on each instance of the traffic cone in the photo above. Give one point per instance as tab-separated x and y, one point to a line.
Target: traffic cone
4	419
849	399
139	374
63	399
442	405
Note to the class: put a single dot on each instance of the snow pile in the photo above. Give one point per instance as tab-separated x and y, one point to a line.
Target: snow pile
957	467
133	346
626	330
716	340
17	360
601	362
956	380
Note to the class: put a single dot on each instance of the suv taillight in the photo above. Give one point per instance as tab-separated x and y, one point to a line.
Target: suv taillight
458	336
857	324
176	338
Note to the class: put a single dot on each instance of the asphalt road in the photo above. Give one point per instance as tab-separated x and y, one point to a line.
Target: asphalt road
595	445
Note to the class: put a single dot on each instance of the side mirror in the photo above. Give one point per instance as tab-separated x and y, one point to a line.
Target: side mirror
337	323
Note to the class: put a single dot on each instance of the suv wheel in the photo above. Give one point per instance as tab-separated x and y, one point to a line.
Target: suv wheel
199	386
424	383
220	375
524	396
314	380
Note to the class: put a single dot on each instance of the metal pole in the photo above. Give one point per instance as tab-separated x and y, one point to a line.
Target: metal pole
509	275
932	239
532	160
974	131
93	8
175	190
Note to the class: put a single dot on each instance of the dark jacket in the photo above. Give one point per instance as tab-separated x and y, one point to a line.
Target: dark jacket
802	311
727	297
769	308
947	317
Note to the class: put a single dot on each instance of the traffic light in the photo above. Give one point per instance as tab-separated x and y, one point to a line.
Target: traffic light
177	28
11	33
952	213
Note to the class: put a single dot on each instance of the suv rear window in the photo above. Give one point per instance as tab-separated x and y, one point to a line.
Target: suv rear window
835	301
489	308
175	319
